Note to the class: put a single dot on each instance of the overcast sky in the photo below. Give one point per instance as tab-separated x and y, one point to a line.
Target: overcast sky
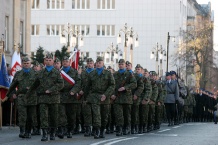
214	4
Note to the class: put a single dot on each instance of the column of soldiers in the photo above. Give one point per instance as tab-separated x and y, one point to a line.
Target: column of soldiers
99	100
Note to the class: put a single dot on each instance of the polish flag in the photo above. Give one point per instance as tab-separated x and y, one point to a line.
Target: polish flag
67	78
75	59
15	63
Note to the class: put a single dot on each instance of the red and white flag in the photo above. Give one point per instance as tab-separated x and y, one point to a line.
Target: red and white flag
15	63
67	78
75	59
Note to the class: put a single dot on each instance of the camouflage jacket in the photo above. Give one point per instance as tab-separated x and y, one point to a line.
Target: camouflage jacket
98	85
146	94
51	81
154	94
23	81
161	92
128	81
65	91
139	89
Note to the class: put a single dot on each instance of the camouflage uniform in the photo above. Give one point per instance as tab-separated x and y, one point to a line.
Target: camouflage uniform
96	112
135	106
69	104
123	101
26	104
48	79
144	107
152	102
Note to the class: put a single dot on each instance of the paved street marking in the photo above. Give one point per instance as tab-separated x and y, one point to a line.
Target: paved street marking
176	126
140	134
97	143
173	135
164	130
113	142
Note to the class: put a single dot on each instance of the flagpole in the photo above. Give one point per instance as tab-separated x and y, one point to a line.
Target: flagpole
11	115
0	110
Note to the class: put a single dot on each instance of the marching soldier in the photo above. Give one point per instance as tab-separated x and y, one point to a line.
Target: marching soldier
144	108
125	82
48	83
100	87
57	64
152	101
84	81
136	99
69	100
26	105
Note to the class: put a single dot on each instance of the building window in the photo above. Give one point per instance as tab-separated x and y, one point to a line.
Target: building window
54	30
55	4
106	4
35	30
35	4
105	30
100	54
6	33
80	4
21	33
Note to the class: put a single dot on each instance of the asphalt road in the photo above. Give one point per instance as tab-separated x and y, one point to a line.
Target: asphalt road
184	134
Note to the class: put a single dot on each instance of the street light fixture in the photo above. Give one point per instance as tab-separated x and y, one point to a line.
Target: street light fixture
73	36
129	35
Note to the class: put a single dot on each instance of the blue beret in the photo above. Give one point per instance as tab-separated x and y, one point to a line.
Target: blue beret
168	74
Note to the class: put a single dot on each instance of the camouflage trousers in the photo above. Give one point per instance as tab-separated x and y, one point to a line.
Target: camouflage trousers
48	115
105	110
68	114
135	114
122	114
37	117
158	112
143	114
26	116
151	115
92	115
111	117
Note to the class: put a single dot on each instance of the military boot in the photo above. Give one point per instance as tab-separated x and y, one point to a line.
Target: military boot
97	133
60	132
145	130
133	129
119	131
87	131
38	131
44	135
52	134
34	131
93	131
22	132
108	130
69	134
140	129
102	133
127	130
28	132
136	129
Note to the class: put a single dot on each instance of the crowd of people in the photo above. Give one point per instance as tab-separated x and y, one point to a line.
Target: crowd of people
62	101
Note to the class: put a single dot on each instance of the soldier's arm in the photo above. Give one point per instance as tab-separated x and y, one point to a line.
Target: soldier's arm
140	87
154	93
12	86
132	83
111	86
58	85
77	87
177	92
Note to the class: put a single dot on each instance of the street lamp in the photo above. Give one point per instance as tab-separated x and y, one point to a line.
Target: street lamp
74	37
113	52
168	41
128	38
158	53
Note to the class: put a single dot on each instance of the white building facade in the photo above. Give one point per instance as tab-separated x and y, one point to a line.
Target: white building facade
101	20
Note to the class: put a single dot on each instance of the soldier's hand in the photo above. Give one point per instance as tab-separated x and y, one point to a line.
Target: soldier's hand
121	89
159	104
144	102
27	88
81	92
14	96
113	97
47	91
135	97
103	97
5	99
151	102
72	93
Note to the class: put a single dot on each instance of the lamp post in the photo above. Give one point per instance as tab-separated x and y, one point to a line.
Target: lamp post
73	36
113	52
128	38
158	53
168	41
